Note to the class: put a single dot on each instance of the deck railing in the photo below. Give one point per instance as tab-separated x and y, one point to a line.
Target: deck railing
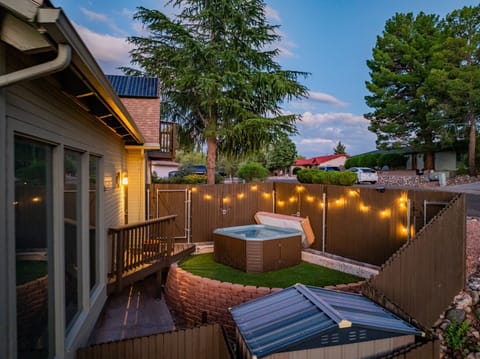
167	138
135	245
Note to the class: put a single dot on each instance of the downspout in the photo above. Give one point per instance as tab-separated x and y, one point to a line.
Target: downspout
62	60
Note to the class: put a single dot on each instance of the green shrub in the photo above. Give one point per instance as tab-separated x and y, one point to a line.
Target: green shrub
347	179
306	175
392	160
456	334
326	177
462	170
252	171
194	179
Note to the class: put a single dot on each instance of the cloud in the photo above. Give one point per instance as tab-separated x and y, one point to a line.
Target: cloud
320	132
326	99
272	14
102	18
111	51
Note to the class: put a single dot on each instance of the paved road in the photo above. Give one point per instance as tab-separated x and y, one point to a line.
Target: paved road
472	191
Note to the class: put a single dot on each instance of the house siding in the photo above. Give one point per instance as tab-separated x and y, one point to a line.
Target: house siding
38	109
136	190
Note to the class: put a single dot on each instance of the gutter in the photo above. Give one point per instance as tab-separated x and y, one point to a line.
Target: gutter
62	60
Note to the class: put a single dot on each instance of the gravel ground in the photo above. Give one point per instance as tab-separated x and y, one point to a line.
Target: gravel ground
473	245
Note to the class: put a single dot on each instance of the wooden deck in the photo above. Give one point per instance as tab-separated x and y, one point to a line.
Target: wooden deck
141	249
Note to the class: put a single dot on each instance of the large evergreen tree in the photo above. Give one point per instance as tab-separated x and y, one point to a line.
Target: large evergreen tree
401	63
457	76
218	73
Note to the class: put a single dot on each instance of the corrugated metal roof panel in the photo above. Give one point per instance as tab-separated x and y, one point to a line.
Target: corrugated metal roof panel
134	86
297	314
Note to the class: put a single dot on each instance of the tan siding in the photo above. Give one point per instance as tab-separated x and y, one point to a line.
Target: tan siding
136	188
61	121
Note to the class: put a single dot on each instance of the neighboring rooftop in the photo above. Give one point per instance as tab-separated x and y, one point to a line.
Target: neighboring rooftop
315	161
304	317
135	86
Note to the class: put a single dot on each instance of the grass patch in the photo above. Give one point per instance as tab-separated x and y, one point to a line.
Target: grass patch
30	270
306	273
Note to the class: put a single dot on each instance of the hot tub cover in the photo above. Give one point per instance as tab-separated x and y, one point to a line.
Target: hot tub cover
284	221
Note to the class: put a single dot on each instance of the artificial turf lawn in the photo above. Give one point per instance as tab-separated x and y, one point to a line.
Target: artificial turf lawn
30	270
306	273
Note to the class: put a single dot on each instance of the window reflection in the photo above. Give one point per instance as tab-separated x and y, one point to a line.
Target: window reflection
33	238
71	184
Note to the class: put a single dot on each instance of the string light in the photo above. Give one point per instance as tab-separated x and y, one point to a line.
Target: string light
310	199
266	195
241	195
385	213
280	203
364	208
207	197
254	187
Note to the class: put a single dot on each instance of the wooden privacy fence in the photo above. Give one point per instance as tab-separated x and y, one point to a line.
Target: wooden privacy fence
364	224
206	342
426	273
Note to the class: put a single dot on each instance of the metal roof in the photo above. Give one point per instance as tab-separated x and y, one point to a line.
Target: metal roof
134	86
288	319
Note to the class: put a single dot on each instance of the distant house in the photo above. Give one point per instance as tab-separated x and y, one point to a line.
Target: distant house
330	160
69	157
305	321
444	159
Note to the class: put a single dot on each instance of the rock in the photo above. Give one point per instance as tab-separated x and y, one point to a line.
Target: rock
444	325
477	313
475	297
470	356
457	315
464	302
477	355
476	334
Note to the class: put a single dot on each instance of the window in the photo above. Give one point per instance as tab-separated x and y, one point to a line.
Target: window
33	244
93	209
72	232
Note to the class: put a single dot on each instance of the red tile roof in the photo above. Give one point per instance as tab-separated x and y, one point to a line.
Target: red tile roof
316	161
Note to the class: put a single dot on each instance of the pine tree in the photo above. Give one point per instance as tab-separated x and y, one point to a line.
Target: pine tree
218	74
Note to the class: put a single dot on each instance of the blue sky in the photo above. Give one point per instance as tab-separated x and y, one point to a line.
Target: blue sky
330	39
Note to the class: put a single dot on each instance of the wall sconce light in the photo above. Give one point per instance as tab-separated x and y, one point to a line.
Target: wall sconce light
121	180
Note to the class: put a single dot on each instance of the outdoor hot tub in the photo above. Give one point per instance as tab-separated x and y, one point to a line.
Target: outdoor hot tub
258	247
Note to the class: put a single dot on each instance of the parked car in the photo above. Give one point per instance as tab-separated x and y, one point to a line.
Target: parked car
365	174
328	168
192	169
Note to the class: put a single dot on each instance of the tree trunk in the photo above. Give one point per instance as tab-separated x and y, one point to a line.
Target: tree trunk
472	170
211	158
429	161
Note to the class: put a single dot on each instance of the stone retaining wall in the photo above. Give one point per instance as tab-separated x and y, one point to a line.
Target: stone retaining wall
196	300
